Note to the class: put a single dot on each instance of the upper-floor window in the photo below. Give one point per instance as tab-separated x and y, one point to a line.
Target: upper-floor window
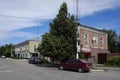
26	47
101	42
86	39
95	40
34	46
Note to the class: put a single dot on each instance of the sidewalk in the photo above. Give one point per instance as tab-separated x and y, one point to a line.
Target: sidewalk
102	67
106	68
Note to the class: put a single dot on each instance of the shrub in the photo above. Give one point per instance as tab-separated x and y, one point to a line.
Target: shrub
43	60
115	61
81	55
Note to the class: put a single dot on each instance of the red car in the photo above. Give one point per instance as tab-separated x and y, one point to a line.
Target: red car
76	64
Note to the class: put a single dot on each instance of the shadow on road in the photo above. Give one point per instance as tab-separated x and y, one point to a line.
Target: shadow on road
47	65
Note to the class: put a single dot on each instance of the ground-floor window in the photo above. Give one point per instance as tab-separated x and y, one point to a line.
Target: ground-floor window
93	59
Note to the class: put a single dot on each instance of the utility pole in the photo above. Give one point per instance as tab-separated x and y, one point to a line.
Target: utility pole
77	5
38	30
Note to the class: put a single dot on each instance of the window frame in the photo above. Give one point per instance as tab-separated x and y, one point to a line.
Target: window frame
102	42
95	42
86	41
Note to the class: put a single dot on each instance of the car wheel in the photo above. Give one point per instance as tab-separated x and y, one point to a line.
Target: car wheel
80	70
61	68
30	62
88	71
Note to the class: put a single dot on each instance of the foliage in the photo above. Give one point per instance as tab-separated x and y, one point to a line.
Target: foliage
60	42
43	60
6	50
113	41
118	44
81	55
114	61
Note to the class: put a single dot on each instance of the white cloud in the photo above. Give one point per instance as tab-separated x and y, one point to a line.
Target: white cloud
89	7
42	9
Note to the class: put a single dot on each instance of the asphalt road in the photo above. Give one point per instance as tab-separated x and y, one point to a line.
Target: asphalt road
11	69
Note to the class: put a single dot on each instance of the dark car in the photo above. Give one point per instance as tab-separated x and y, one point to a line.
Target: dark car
75	64
34	60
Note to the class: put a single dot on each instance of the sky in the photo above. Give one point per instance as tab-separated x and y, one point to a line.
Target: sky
22	20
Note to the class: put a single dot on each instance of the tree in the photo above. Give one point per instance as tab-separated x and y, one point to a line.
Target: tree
6	50
118	44
60	42
112	40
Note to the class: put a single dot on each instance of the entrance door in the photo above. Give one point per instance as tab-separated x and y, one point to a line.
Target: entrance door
102	58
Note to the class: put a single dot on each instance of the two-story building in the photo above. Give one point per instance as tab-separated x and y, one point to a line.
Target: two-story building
94	43
28	48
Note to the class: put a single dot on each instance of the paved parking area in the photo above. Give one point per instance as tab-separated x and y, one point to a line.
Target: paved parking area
11	69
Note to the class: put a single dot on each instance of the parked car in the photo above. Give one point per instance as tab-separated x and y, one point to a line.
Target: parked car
34	60
3	57
75	64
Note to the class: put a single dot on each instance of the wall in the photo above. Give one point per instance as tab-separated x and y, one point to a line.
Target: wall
94	50
32	44
91	34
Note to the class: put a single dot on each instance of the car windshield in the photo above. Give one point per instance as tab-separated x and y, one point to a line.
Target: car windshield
84	61
34	58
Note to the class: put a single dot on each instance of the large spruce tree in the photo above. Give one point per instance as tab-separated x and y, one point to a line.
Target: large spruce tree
60	42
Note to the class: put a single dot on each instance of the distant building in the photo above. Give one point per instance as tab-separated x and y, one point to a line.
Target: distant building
94	43
28	48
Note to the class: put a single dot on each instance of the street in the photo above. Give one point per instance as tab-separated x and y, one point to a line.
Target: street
15	69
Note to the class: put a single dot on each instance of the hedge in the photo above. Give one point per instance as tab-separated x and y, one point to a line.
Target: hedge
114	61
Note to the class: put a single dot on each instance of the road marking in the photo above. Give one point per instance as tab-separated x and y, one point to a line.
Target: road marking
6	71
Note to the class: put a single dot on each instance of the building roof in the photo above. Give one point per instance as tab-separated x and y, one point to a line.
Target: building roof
84	26
37	39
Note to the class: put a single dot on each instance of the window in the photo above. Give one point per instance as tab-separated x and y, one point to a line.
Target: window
70	61
26	47
95	41
86	39
78	41
34	46
101	42
76	61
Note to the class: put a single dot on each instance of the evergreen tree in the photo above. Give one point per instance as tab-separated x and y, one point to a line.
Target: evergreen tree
62	36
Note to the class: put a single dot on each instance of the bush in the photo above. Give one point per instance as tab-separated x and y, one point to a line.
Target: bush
115	61
81	55
43	60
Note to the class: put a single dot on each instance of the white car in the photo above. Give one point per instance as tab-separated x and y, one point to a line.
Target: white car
3	57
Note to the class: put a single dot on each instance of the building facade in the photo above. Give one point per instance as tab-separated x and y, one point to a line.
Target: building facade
28	48
93	42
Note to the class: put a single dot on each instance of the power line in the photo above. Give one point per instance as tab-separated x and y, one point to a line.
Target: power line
22	17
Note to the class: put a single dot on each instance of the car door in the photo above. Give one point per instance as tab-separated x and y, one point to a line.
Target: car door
75	64
67	64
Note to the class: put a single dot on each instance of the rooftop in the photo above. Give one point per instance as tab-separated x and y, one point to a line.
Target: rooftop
37	39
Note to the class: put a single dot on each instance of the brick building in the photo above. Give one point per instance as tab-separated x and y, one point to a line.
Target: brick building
93	41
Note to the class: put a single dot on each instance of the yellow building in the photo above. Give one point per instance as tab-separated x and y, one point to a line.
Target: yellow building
28	48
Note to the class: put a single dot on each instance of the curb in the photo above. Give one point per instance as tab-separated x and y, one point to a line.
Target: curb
97	70
106	69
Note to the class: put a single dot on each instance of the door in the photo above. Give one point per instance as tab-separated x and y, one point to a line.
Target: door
102	58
